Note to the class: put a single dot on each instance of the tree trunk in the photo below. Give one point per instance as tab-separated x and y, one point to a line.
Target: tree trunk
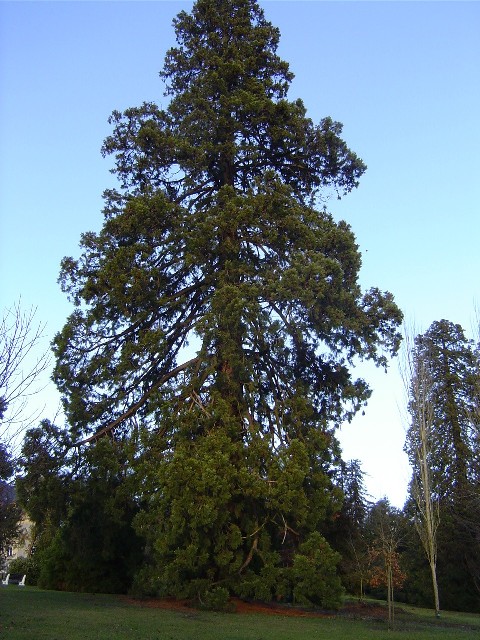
436	598
390	594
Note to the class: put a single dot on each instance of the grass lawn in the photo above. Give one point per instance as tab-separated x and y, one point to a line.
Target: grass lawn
33	614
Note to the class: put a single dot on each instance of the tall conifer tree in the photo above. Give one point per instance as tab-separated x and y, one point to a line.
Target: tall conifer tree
444	383
214	238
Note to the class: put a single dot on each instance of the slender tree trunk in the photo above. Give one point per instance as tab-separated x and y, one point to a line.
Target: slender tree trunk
418	382
390	593
430	519
430	526
436	598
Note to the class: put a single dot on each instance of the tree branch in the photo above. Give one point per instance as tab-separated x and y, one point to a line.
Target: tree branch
135	407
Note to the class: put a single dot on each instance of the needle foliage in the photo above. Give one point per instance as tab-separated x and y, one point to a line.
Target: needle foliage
218	313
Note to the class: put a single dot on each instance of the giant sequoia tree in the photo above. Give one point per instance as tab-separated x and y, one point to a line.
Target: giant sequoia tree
447	361
218	312
443	448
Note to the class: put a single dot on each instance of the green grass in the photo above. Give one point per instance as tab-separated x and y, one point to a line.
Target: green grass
33	614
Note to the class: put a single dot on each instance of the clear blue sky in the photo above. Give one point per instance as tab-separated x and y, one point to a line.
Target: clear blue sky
403	77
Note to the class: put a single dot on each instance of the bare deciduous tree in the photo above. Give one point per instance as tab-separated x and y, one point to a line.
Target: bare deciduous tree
418	385
21	366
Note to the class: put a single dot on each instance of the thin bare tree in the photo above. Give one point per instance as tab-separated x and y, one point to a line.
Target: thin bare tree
418	385
22	363
386	527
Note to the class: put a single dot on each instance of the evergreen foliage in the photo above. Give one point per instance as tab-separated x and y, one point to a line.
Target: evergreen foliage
10	513
451	361
83	511
215	238
349	530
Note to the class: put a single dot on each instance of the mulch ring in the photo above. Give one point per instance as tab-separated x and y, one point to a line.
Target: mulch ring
354	610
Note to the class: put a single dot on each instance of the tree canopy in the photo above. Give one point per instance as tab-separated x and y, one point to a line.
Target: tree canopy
218	314
451	364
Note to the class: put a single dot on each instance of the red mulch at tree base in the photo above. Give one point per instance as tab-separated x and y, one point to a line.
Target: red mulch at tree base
362	610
